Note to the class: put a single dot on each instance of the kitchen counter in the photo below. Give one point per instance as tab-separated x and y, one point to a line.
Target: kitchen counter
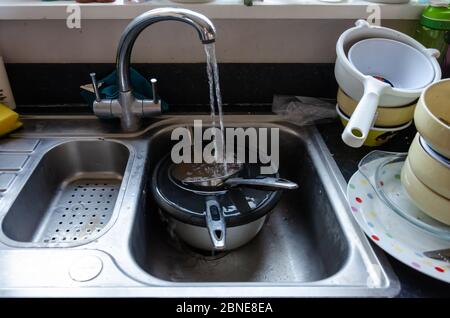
413	283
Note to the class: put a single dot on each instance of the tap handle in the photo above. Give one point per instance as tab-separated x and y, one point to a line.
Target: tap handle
95	86
154	81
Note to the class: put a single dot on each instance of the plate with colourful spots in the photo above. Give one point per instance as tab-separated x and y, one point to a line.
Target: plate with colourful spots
384	175
393	233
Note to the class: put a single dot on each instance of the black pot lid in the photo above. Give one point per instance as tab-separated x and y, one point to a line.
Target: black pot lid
241	205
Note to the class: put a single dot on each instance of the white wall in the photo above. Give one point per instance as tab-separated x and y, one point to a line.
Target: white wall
245	41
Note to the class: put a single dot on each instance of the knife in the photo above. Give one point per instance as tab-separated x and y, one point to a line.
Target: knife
441	255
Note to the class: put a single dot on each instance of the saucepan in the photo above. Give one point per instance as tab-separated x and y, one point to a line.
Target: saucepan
380	66
213	208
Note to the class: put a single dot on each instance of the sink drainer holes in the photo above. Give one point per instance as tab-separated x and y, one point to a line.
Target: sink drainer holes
80	211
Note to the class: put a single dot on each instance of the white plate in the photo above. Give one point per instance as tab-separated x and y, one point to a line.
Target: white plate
393	233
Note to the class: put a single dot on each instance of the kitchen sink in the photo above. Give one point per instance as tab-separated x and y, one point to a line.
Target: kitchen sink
301	241
310	245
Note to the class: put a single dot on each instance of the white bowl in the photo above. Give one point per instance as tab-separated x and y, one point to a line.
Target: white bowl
352	82
365	88
399	64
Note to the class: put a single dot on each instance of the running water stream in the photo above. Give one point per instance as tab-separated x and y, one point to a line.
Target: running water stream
215	96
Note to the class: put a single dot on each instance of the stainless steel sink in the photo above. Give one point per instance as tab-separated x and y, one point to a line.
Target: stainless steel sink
310	245
70	196
302	240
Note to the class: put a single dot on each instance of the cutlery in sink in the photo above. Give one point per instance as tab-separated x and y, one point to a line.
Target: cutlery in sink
442	255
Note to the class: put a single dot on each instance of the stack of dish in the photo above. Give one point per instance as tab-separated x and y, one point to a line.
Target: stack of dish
389	120
426	173
381	73
385	212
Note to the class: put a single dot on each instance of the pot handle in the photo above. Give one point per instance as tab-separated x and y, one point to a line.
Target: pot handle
264	182
432	52
361	23
363	117
215	222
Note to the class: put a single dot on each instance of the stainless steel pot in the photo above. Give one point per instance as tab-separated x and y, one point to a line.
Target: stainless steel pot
199	236
226	218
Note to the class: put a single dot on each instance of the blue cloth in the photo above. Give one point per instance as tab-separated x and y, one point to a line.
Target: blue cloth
142	89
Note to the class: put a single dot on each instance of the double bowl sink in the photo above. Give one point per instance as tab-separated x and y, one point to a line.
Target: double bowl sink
77	219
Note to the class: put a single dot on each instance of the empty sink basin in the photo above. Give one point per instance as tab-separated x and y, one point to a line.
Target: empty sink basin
70	196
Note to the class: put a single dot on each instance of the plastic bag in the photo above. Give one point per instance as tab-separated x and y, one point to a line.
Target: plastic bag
303	110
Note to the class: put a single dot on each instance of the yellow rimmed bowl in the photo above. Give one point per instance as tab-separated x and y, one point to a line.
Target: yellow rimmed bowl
432	116
423	197
377	135
386	116
429	167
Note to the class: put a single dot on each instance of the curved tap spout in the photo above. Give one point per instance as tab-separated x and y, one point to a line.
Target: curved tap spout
129	109
202	24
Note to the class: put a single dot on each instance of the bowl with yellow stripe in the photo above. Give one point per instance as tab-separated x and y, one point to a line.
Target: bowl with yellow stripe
386	116
377	135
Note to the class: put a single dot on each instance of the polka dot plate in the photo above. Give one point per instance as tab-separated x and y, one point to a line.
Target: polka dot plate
393	233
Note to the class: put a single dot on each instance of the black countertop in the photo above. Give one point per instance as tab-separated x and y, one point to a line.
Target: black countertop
413	283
